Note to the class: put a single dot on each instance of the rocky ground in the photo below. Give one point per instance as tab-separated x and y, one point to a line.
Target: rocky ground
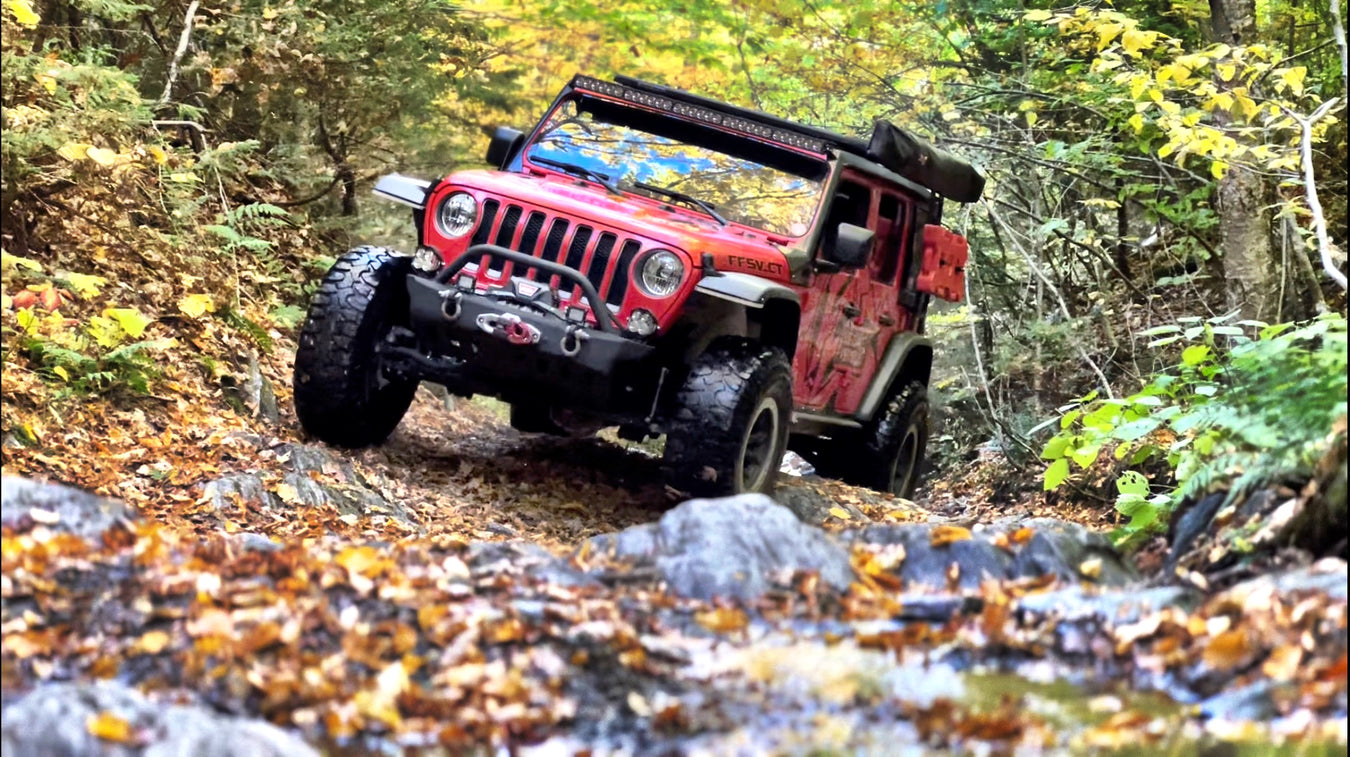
466	588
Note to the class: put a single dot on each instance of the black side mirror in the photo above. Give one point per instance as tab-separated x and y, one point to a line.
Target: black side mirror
852	246
505	142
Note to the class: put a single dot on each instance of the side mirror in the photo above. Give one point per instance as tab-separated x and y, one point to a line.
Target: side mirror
505	142
852	246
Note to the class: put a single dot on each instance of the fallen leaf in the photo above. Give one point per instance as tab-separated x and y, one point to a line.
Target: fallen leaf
722	619
152	642
109	727
943	535
1091	568
1283	662
1228	650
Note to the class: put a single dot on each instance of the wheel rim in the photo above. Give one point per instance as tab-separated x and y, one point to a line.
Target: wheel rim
757	448
905	462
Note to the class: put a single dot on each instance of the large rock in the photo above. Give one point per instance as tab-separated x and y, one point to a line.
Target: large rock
729	547
53	721
318	478
59	506
1067	550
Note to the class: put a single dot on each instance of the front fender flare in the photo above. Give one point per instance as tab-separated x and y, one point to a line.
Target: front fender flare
404	190
747	290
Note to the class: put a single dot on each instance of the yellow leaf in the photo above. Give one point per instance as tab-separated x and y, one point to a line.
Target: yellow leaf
104	331
85	284
1135	40
1156	95
1227	71
130	319
101	156
1218	168
73	150
23	13
1106	34
839	513
109	727
14	262
1136	122
27	321
269	13
182	178
60	371
195	305
722	619
152	642
1037	15
1137	86
47	82
1294	78
1031	118
1090	568
159	156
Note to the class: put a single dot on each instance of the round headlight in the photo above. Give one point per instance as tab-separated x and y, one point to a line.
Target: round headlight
661	273
456	215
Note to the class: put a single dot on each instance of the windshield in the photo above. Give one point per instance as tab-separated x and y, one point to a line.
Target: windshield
744	181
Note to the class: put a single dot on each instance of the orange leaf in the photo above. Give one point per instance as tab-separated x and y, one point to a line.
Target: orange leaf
1282	664
722	619
1228	650
943	535
1022	535
109	727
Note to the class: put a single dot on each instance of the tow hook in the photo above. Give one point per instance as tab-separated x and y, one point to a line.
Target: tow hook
509	327
571	341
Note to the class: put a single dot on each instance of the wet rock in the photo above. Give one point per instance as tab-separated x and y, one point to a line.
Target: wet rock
524	558
256	394
53	720
60	507
318	478
251	542
1254	702
1327	575
978	559
1078	604
730	547
1055	547
813	508
1062	548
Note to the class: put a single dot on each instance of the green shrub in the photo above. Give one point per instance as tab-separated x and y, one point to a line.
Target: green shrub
1237	412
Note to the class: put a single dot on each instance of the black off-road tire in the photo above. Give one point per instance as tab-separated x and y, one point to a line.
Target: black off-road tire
887	455
730	423
342	396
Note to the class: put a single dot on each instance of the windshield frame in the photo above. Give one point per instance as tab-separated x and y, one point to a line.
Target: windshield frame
791	160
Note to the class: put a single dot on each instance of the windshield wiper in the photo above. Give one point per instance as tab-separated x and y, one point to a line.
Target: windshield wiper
679	196
579	170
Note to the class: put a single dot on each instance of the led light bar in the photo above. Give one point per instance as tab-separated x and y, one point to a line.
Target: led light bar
697	113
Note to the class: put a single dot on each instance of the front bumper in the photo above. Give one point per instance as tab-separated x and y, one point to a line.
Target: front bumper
506	345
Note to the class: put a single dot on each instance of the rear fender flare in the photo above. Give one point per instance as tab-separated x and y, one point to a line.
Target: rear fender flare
909	357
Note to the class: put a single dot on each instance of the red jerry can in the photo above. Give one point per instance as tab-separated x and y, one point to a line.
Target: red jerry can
944	264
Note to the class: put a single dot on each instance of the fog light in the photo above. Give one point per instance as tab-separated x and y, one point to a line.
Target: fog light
576	314
642	323
426	260
465	282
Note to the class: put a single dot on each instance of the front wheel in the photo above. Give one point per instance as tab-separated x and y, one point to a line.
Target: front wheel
342	394
730	425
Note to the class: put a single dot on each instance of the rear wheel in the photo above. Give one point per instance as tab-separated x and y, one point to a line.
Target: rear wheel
731	420
886	455
342	394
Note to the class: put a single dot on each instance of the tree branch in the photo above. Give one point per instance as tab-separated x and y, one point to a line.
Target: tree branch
1310	188
183	40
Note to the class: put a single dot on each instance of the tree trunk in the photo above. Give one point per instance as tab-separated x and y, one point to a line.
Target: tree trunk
1242	197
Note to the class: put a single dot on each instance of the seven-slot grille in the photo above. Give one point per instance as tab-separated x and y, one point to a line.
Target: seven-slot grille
604	257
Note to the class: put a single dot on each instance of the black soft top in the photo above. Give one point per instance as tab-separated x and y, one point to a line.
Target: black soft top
891	147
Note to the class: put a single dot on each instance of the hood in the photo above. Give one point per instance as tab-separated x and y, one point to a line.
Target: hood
687	229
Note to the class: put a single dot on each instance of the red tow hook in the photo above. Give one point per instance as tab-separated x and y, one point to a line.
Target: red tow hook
508	326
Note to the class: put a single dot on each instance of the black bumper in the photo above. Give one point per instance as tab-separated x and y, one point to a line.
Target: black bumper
496	345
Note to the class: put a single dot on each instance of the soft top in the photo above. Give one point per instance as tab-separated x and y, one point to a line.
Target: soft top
891	146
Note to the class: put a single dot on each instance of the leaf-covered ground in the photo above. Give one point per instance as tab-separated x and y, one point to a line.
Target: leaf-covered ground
366	631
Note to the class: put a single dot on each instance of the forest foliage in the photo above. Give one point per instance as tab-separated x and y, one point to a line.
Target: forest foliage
1146	166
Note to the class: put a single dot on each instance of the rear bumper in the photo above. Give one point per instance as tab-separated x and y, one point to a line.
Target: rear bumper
495	344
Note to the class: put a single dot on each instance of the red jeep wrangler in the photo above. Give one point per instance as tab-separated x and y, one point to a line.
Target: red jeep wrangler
667	263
